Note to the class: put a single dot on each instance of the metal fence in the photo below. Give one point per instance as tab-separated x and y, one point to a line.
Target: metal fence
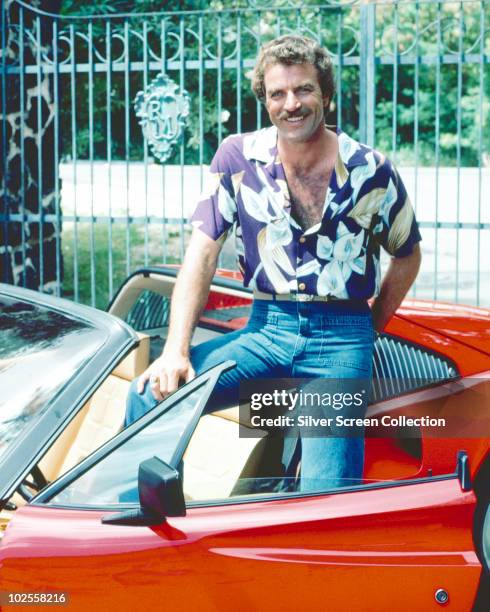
412	79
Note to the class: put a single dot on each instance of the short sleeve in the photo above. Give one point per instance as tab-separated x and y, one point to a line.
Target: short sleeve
396	229
216	209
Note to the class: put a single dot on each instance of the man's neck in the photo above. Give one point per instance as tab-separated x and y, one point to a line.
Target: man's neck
304	156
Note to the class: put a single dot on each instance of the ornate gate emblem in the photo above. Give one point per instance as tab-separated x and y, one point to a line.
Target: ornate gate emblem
162	109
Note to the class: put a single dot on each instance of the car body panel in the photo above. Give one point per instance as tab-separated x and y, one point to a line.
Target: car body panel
468	325
286	554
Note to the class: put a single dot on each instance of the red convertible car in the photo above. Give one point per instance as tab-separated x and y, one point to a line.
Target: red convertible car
180	511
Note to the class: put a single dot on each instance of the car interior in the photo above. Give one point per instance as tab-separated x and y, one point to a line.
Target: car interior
237	465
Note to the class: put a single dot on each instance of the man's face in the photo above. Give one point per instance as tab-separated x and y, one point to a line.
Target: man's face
294	101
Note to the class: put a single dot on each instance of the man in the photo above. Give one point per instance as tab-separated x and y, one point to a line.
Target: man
310	208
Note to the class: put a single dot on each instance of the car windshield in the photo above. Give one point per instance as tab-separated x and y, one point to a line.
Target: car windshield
40	351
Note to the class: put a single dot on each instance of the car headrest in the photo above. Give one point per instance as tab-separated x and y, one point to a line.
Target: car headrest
136	362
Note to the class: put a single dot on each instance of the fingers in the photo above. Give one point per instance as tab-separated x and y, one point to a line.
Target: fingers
142	381
173	380
164	380
158	386
190	374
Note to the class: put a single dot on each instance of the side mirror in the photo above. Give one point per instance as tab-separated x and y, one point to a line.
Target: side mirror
160	492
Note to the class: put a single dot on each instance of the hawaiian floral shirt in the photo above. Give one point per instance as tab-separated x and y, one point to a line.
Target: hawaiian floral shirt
366	206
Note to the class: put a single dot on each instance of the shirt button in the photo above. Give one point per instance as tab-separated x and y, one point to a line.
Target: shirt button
302	239
301	286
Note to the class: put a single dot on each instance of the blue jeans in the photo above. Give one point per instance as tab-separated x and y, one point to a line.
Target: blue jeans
331	340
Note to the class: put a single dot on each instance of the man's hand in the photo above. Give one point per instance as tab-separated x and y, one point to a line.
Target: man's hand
396	283
165	374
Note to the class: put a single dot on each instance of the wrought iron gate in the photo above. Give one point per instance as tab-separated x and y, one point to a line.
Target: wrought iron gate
84	202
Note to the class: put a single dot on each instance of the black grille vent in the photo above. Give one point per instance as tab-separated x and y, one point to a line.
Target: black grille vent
400	367
149	311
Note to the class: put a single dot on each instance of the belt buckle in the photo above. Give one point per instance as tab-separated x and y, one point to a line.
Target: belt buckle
304	297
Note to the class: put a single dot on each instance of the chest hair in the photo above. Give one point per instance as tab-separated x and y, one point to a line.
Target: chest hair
307	192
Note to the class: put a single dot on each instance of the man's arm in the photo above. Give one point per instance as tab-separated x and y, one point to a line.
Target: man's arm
188	299
396	283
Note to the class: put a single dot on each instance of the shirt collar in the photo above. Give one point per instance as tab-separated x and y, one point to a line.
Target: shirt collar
261	146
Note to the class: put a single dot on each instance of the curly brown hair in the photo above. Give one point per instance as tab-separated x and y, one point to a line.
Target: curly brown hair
293	49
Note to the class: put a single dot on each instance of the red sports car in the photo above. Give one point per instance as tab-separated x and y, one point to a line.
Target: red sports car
180	511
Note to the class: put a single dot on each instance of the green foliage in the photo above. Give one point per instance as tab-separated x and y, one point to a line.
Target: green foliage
107	7
77	247
430	31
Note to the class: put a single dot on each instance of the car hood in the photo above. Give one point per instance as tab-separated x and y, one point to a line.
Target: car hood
467	325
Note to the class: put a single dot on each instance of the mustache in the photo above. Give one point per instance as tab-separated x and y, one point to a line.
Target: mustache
302	112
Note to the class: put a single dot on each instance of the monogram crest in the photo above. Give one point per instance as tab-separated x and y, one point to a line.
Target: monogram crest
162	110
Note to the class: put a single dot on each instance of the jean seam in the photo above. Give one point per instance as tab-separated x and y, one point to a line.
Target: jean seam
346	364
322	344
347	321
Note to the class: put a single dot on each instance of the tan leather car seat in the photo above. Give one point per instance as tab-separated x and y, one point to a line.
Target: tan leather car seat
100	419
220	455
215	458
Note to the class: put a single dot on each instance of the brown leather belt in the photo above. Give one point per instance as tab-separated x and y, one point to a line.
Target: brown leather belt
296	297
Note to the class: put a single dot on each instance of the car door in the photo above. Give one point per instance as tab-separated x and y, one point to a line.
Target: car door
399	544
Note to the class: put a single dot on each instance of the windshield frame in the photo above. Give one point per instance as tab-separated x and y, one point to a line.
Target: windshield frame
118	340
